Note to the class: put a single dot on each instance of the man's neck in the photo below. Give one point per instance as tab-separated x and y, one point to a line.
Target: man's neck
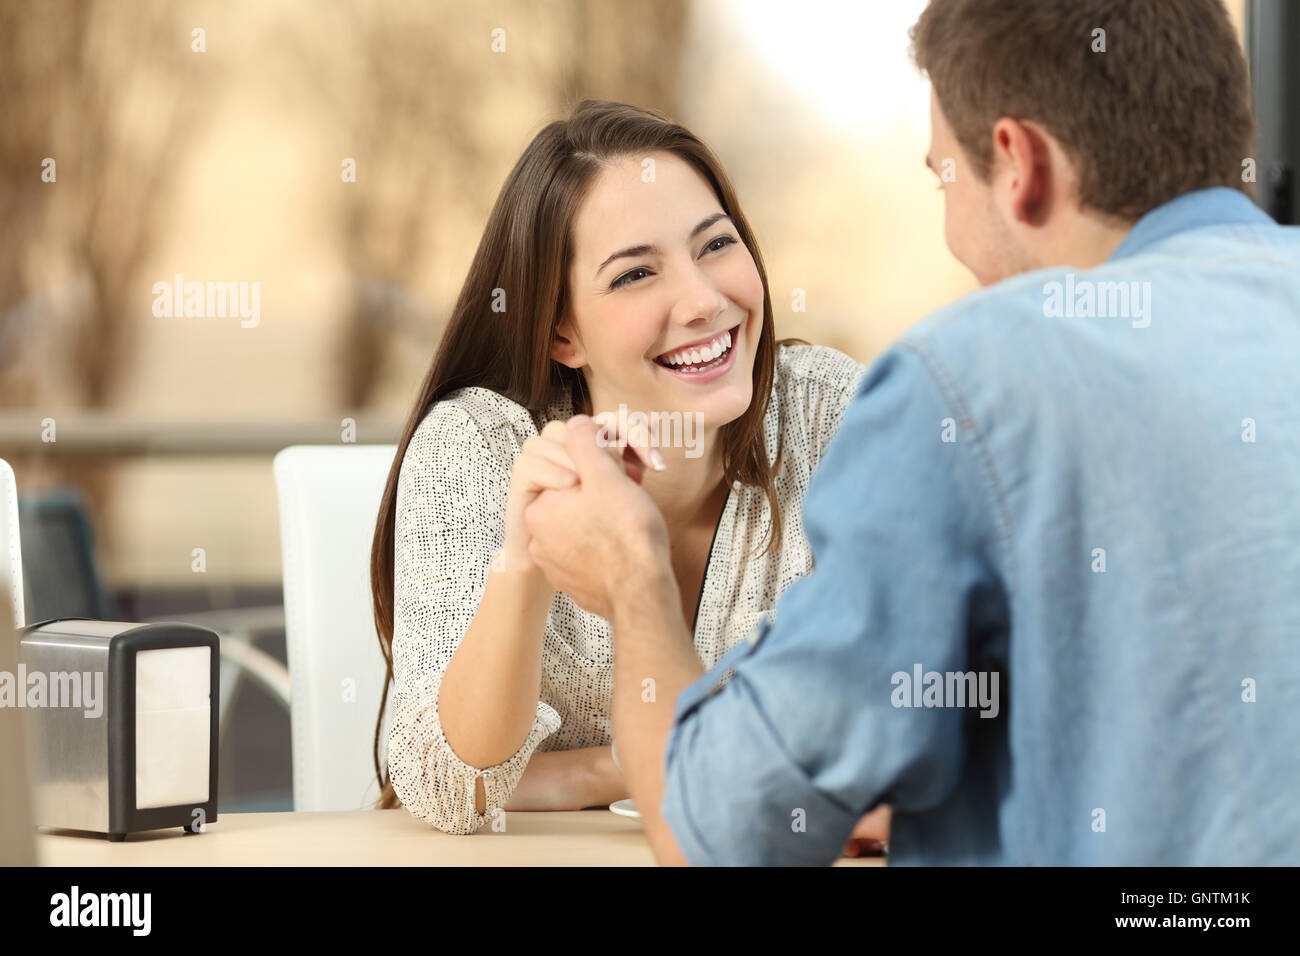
1085	242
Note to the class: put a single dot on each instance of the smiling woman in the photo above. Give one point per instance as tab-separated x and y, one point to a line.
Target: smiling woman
631	279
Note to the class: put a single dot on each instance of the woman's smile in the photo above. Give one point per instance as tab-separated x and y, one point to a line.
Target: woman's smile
704	359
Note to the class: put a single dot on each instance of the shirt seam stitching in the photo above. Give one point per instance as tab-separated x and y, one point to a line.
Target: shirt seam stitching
956	401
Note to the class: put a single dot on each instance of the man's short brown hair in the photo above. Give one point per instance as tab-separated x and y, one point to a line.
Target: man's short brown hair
1165	109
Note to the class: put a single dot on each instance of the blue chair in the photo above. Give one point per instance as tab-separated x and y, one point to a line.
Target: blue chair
58	558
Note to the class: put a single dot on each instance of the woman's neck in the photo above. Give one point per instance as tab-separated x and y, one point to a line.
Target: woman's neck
686	491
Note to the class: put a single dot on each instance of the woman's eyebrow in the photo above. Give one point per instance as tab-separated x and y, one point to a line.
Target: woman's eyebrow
706	222
626	253
645	248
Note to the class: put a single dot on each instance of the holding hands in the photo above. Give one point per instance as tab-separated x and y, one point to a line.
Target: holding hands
589	532
578	516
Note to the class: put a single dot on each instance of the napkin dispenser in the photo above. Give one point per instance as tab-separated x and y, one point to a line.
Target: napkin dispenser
123	724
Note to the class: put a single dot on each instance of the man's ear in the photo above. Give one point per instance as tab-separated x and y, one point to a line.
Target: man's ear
566	349
1023	161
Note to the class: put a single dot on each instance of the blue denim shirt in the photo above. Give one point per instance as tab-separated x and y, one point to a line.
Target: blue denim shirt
1088	491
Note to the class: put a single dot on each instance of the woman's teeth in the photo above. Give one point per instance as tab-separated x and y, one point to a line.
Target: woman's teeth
700	356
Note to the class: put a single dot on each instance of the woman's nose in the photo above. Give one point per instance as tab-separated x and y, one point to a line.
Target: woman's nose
699	300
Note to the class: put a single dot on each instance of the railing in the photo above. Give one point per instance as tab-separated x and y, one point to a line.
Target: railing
117	434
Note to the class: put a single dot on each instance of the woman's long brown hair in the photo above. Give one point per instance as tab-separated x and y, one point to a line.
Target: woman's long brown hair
526	250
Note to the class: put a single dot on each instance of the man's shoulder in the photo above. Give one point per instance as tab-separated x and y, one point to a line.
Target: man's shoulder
1005	311
1030	326
1056	311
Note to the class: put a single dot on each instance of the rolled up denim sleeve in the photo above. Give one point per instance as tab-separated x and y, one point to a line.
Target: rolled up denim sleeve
777	763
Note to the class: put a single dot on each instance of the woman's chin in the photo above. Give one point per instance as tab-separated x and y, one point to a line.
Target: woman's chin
718	402
724	404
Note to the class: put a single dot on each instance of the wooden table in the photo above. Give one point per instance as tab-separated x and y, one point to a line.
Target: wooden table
368	838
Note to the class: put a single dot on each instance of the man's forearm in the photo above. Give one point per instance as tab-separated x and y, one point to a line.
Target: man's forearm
654	660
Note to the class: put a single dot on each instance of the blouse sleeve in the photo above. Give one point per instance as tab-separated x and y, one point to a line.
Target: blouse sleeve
450	522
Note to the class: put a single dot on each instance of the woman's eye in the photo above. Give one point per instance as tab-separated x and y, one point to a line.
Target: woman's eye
720	243
627	277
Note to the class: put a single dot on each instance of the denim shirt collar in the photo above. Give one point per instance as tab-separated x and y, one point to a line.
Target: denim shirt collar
1219	205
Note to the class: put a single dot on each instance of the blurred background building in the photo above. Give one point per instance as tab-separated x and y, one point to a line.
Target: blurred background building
142	141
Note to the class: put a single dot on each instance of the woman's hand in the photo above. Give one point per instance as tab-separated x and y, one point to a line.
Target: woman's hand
631	446
569	780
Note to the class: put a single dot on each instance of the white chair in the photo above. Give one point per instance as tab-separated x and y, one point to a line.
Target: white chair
17	843
11	552
329	503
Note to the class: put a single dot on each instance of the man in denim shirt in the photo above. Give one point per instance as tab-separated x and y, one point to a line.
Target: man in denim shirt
1055	606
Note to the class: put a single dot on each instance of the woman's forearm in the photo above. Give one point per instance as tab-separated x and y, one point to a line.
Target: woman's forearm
569	780
488	697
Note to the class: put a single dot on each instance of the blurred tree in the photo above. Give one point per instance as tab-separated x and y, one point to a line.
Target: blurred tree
110	92
407	90
629	51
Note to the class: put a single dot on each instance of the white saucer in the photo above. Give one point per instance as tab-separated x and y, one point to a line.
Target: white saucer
626	808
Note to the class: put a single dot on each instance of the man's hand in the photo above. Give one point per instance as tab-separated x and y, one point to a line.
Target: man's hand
870	834
594	537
